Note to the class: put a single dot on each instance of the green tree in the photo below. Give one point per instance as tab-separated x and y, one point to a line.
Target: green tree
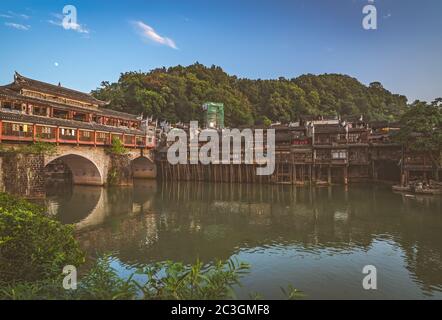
177	94
421	130
33	246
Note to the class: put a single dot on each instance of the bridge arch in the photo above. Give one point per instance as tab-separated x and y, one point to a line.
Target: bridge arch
84	170
143	167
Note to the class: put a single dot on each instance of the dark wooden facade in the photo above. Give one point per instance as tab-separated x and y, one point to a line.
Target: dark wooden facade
32	110
318	152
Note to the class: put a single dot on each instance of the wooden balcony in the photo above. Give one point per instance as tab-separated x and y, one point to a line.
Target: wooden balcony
28	132
339	161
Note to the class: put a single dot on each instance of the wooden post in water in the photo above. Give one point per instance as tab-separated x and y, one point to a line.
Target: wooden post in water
345	175
329	178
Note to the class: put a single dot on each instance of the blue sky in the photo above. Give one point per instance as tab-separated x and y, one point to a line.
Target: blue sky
254	39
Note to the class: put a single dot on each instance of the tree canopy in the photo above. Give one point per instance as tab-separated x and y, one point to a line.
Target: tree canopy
177	94
421	129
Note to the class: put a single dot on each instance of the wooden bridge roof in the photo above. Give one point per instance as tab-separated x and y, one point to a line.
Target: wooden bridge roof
14	95
21	82
20	117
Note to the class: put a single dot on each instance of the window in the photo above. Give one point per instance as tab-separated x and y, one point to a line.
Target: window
102	137
21	127
80	117
68	132
60	114
19	106
339	154
139	140
39	111
96	119
128	139
6	105
46	130
352	137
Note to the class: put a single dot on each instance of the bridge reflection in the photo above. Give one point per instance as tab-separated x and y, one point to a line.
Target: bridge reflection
183	221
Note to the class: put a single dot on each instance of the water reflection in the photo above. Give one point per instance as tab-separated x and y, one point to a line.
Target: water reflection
316	238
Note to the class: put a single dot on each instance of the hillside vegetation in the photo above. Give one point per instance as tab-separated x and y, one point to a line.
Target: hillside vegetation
177	93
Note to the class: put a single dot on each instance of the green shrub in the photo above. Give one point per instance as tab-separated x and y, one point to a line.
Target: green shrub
176	281
168	280
47	289
112	177
33	246
103	283
117	147
38	147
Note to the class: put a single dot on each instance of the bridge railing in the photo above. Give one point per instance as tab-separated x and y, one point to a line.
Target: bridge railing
27	132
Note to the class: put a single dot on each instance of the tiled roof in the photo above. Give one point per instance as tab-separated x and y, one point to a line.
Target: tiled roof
31	84
358	130
20	117
329	128
118	114
8	93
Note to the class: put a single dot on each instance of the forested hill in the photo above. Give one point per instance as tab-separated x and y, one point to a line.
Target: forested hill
177	93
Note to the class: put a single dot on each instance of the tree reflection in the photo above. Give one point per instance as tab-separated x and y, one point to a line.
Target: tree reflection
185	221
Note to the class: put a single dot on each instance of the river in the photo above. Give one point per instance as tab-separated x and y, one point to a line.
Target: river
317	239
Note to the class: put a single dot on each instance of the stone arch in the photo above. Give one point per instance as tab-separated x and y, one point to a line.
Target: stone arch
84	171
143	167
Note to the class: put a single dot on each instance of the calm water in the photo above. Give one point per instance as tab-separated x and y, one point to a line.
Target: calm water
317	239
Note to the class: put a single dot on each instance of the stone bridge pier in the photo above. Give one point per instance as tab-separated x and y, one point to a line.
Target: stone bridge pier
25	174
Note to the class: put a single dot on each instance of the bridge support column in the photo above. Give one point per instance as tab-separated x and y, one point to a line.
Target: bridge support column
120	171
22	174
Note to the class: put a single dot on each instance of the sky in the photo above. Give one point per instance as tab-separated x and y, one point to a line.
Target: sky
254	39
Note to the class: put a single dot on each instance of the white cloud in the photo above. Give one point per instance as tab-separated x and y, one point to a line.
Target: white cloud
17	26
24	16
12	14
149	33
68	26
76	27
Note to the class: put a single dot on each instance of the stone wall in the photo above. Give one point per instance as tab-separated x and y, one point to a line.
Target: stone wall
22	174
120	171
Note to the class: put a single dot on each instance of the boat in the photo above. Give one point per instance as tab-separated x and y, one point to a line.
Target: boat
428	191
402	188
418	188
